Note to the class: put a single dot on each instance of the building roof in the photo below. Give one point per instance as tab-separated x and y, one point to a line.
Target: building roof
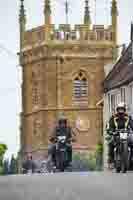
122	72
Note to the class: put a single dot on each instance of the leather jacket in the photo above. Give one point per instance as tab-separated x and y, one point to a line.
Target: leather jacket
58	131
118	121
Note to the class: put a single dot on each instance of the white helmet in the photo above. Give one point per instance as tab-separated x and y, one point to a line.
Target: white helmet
121	105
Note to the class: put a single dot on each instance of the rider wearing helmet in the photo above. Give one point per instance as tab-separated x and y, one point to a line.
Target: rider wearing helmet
60	130
28	164
120	120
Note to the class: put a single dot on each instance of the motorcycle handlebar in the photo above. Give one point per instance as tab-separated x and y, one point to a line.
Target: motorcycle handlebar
67	140
120	130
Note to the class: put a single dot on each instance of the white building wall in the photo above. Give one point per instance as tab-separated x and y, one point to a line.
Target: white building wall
107	113
105	121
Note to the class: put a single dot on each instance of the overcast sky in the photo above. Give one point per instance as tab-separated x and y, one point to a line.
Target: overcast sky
10	79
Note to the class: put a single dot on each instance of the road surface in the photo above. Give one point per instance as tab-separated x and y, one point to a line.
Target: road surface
67	186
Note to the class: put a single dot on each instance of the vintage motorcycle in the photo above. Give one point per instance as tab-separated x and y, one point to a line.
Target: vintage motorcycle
122	150
61	153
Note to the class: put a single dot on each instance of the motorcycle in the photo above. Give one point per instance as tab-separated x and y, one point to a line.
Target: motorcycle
61	153
122	150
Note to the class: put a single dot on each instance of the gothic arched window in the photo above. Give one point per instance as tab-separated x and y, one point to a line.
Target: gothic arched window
80	88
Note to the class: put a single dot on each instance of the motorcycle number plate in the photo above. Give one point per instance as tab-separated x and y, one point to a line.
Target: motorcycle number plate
123	136
61	137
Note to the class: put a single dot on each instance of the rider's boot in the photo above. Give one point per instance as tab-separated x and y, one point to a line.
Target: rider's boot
110	163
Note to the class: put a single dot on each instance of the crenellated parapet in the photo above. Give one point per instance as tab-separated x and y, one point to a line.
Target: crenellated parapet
84	33
64	33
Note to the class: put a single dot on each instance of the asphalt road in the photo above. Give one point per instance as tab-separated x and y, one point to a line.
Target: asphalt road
67	186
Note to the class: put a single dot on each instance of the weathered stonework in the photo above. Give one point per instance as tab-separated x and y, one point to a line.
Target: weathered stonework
49	65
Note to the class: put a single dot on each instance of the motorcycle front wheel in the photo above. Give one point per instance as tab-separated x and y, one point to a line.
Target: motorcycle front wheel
124	158
117	161
60	161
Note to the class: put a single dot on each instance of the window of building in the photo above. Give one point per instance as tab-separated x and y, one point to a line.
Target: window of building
77	88
131	95
80	88
113	101
123	94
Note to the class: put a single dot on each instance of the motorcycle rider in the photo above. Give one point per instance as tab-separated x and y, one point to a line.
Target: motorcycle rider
28	164
120	120
62	129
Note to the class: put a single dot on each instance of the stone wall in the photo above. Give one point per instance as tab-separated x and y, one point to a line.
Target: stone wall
49	71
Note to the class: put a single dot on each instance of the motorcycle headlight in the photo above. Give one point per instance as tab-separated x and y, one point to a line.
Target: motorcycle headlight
123	136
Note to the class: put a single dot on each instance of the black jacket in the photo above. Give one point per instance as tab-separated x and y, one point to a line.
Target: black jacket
120	122
67	131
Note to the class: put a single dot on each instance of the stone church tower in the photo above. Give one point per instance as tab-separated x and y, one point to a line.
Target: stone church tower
63	72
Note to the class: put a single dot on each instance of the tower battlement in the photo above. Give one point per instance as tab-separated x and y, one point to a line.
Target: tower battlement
85	32
64	33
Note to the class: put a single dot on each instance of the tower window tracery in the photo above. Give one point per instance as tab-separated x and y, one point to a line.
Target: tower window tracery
80	88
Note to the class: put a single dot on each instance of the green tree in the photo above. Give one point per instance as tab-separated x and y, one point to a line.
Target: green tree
13	166
84	161
99	156
89	161
6	167
3	149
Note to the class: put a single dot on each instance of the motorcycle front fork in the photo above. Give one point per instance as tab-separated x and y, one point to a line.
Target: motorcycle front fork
117	154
